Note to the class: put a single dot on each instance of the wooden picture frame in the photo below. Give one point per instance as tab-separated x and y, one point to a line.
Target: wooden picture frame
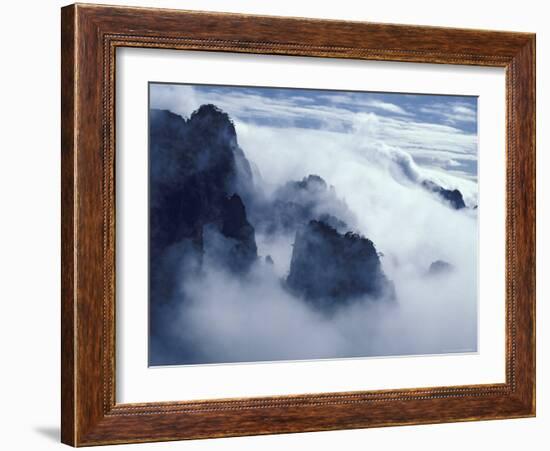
90	412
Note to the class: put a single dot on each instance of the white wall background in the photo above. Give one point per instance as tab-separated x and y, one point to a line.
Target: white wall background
30	228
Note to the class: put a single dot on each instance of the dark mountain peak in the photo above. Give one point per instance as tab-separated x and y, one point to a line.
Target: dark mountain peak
157	114
329	232
333	221
209	110
330	269
453	197
199	176
309	190
324	229
297	202
212	137
164	124
212	118
311	182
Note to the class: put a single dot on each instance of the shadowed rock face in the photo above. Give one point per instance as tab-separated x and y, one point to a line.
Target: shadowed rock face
330	269
198	175
235	226
198	178
453	197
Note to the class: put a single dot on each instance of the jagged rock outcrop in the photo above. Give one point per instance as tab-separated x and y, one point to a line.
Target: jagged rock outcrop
194	165
297	202
452	197
330	269
199	177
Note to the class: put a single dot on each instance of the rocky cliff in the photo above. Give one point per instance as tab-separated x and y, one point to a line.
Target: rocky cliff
452	197
198	178
330	269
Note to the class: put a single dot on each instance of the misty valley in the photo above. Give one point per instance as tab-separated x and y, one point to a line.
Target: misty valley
292	240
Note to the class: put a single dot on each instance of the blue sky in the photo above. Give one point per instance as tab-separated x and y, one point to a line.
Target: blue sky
458	111
438	131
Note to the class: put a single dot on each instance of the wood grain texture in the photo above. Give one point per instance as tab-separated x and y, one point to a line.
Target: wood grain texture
90	36
68	313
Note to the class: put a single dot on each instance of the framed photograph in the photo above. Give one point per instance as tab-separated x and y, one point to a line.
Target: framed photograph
278	225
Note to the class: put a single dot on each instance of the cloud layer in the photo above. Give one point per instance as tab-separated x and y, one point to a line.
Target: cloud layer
374	149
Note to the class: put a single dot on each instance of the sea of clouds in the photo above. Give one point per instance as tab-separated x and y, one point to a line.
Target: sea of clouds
371	164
